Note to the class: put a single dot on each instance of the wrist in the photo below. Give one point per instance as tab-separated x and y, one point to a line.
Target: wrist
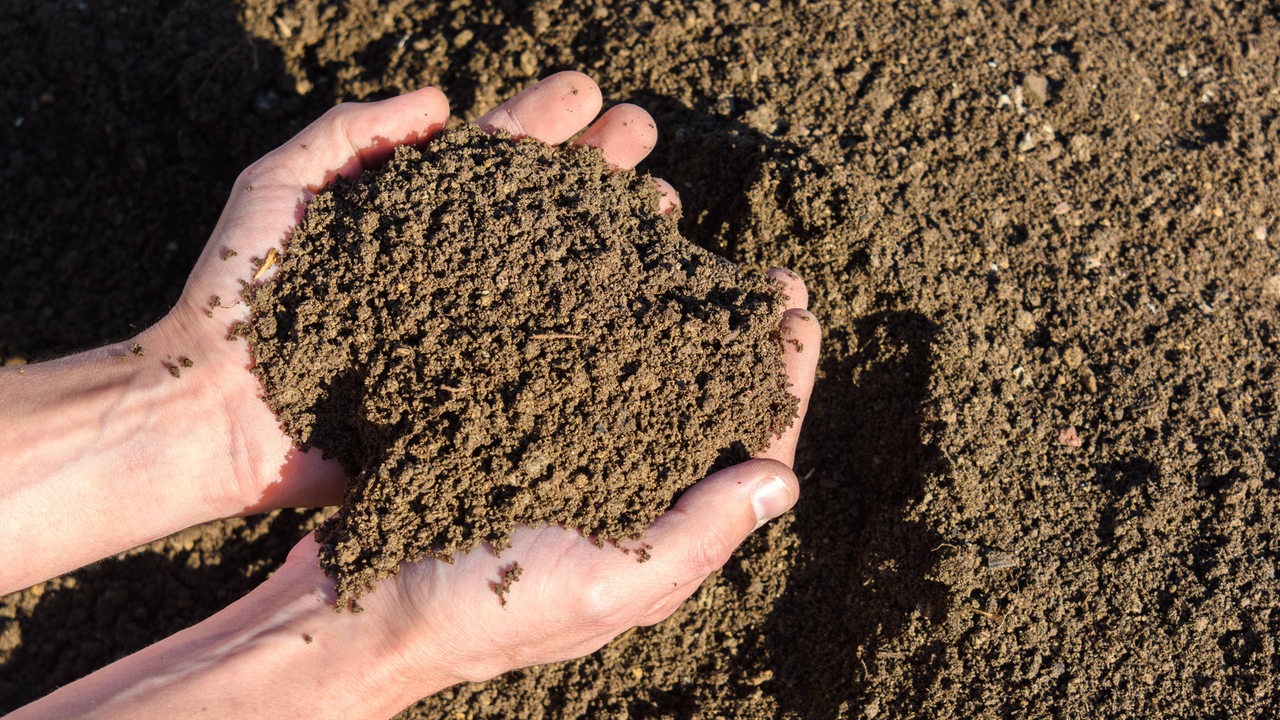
281	651
191	433
369	658
254	467
113	440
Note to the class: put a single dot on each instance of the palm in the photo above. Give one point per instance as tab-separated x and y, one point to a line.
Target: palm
267	470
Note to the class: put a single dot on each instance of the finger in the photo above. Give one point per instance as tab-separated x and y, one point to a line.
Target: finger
668	198
354	136
801	339
663	608
697	536
792	286
270	195
625	134
553	110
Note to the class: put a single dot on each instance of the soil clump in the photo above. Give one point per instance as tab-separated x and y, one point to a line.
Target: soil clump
1014	219
491	332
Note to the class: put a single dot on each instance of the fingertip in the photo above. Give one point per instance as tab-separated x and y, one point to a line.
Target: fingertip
626	134
434	104
777	488
644	129
578	86
792	286
552	110
668	198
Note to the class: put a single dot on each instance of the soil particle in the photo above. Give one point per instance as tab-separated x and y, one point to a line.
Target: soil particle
509	577
1036	88
1147	585
590	362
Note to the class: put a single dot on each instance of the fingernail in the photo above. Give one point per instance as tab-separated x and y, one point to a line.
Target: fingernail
772	498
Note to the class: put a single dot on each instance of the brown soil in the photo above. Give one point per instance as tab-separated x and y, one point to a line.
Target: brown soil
490	333
1015	220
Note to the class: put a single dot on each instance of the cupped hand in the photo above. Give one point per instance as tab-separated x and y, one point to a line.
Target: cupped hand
572	597
263	468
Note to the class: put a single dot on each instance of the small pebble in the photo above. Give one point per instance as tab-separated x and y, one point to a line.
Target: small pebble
1090	382
1068	436
997	560
1271	286
1036	88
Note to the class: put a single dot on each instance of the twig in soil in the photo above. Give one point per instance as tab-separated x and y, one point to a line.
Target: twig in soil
555	336
267	262
993	617
456	389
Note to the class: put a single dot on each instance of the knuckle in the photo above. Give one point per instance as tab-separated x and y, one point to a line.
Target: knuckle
251	172
602	601
664	608
707	553
338	112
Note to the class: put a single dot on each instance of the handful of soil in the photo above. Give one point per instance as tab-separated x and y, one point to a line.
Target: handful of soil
490	332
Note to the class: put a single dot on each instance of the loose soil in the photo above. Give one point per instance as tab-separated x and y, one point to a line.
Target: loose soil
1016	221
492	332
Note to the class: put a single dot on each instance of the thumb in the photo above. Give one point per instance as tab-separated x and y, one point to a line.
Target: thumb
269	196
696	537
351	137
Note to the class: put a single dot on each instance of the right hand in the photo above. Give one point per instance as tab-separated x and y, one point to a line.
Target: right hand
574	597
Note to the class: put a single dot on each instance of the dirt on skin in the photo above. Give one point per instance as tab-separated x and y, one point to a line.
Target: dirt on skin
1015	220
492	332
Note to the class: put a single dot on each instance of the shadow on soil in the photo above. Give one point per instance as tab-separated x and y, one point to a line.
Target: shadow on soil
862	568
117	607
133	118
713	162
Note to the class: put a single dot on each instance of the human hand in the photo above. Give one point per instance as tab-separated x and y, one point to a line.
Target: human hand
434	624
264	469
572	597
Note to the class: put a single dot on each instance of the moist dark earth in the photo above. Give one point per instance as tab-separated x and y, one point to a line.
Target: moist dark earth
490	332
1040	467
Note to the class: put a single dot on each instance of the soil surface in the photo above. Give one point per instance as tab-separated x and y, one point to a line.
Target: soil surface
490	332
1040	470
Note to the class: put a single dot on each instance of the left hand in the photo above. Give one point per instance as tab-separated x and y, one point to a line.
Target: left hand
264	470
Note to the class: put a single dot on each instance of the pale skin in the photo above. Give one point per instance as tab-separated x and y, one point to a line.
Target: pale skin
105	450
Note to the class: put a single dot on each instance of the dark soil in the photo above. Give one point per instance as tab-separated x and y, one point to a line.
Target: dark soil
1015	220
490	333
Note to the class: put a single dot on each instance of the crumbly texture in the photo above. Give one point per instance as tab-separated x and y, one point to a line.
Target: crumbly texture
491	332
988	271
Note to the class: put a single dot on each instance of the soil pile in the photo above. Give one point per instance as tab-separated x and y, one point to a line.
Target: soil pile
1015	220
491	332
